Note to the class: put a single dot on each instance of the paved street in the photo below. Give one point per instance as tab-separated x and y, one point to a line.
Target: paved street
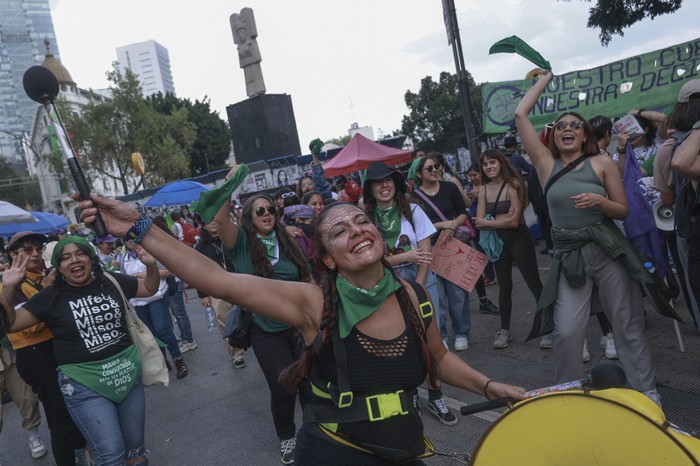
219	415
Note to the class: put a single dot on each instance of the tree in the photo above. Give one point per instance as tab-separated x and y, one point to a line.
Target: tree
107	131
612	16
20	191
212	143
435	121
341	141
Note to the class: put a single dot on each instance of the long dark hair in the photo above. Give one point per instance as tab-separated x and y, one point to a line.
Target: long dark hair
508	173
261	264
590	144
325	277
402	201
60	283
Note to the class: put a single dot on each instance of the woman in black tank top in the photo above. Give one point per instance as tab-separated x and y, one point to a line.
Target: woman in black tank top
504	196
355	298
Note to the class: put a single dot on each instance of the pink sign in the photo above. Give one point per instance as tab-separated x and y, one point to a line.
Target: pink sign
458	262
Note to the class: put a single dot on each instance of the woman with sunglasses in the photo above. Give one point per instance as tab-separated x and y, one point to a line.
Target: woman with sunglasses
260	246
589	249
503	195
358	309
425	173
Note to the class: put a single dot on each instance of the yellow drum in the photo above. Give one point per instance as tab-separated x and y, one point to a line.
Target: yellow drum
604	427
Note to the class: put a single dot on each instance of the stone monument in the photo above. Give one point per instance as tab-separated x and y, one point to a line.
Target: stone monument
262	126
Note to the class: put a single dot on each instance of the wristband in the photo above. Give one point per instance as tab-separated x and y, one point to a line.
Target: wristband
486	388
138	231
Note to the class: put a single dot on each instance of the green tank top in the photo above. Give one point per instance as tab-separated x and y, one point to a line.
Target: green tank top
561	207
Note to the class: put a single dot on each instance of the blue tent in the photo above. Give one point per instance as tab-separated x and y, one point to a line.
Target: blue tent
47	223
177	193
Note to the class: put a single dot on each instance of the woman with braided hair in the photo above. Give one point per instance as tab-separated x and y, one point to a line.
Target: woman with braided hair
86	314
370	337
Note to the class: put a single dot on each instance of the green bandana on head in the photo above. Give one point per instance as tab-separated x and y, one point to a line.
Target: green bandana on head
77	240
413	172
356	304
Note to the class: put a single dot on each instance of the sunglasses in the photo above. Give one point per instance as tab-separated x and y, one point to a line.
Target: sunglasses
29	248
286	195
431	168
260	211
575	124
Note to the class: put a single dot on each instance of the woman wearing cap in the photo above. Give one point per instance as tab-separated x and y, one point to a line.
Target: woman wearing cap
425	173
260	246
399	221
590	249
358	304
85	313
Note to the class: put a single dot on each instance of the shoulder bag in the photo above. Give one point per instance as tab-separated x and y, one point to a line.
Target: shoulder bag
490	242
153	368
463	233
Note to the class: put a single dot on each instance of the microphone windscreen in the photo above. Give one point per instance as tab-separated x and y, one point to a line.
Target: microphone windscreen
40	84
604	376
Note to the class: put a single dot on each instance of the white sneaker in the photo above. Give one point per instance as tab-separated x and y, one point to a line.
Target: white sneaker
547	342
36	446
461	343
608	344
586	353
185	346
503	337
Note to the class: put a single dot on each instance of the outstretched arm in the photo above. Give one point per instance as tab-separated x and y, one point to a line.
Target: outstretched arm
303	301
21	318
539	154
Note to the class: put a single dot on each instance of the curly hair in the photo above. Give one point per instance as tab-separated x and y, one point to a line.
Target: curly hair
508	173
325	277
261	264
402	201
590	142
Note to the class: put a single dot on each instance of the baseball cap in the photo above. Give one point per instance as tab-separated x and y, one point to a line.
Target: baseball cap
18	238
688	89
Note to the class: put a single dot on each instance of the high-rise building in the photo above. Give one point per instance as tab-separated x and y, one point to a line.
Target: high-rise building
150	62
24	25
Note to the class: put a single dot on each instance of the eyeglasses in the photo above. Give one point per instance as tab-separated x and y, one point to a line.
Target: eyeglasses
562	125
431	168
260	211
29	248
289	194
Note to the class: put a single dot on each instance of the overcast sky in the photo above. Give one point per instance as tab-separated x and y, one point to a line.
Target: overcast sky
344	62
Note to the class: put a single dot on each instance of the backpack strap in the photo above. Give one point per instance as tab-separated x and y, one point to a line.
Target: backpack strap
563	172
425	306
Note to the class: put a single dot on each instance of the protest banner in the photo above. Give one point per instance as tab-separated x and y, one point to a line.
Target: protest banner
457	262
651	80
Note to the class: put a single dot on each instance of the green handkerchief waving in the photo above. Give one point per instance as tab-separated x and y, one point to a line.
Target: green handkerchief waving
211	201
515	44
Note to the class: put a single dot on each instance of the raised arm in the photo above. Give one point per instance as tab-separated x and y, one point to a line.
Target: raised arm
228	231
539	154
18	319
686	160
303	301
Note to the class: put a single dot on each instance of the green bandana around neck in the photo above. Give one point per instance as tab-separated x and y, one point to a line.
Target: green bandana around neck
72	239
270	243
356	304
389	223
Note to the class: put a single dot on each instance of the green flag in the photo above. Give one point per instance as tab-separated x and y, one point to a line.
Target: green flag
211	201
515	44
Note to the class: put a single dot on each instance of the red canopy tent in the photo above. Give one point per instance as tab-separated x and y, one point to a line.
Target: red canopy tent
359	153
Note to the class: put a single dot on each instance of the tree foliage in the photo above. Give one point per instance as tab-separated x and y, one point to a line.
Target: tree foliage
613	16
435	121
22	191
212	143
341	141
107	132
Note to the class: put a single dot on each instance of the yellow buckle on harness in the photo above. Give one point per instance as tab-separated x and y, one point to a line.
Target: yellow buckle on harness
345	399
388	405
425	314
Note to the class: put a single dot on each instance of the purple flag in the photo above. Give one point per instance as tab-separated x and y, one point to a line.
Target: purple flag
640	226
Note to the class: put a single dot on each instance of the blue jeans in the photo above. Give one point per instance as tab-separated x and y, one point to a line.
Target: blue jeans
156	316
115	431
455	300
177	307
409	272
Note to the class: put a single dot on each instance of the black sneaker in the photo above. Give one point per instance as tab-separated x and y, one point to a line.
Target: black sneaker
416	404
287	448
181	368
441	411
487	307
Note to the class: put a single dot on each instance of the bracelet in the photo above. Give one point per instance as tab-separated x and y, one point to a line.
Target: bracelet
486	388
138	231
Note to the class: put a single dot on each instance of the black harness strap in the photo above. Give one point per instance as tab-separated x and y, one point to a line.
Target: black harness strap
563	172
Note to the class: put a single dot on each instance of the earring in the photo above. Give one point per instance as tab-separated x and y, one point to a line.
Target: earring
584	141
